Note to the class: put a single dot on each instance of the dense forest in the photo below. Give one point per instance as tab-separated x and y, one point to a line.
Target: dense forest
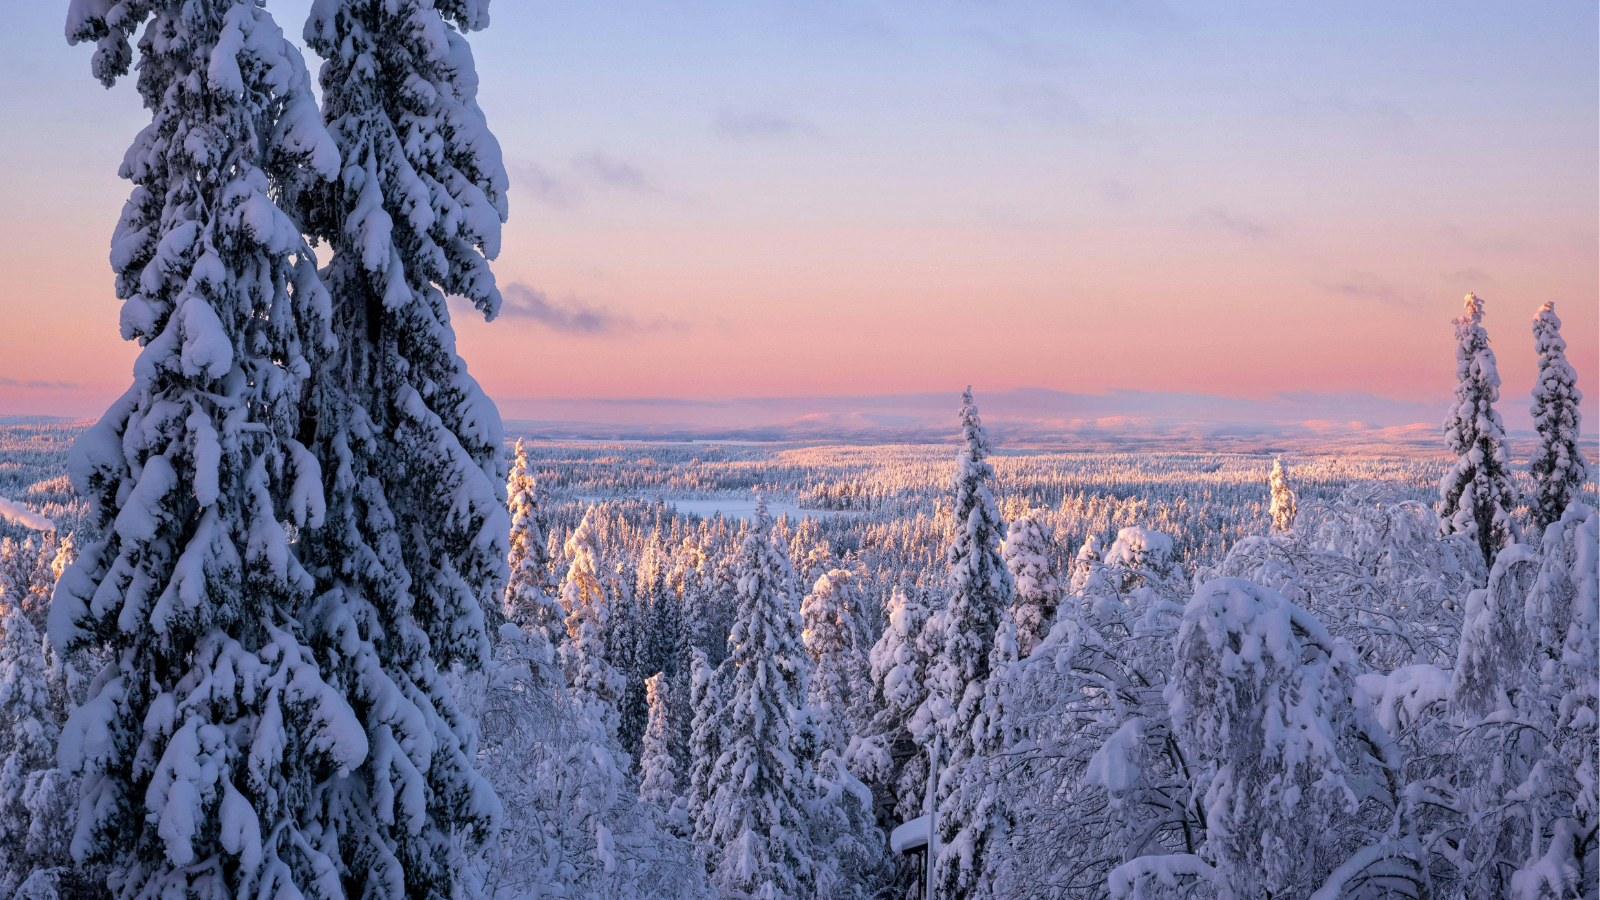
293	620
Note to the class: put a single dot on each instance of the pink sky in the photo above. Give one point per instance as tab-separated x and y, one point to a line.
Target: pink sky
921	198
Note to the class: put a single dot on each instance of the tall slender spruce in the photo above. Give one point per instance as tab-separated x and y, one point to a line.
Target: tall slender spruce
1477	495
1559	467
757	815
208	741
980	589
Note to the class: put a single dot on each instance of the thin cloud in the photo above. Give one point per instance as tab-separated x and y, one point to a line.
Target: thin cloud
745	123
1236	223
529	179
1470	278
1367	286
39	385
573	316
614	173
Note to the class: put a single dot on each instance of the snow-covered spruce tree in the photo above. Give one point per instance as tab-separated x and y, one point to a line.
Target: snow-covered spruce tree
27	750
626	647
527	600
658	771
899	665
980	591
590	594
979	807
758	822
1559	467
1086	564
1027	552
838	677
1283	499
209	740
705	744
1525	692
1476	496
687	600
411	565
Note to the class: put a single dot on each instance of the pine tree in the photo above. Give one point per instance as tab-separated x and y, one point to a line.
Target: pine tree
590	594
831	637
527	600
658	770
1559	467
212	729
757	816
1028	557
1476	496
980	591
1283	499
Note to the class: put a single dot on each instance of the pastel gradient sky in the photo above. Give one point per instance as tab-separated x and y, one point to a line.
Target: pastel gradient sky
714	200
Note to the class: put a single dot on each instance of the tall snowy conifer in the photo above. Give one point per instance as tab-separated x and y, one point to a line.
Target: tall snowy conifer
1038	591
411	565
208	741
830	634
527	601
899	665
705	742
980	590
589	594
1559	467
1283	499
758	826
658	770
1476	496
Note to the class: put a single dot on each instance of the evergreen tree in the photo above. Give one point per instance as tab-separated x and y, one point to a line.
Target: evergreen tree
1476	496
658	770
527	600
757	816
213	729
1086	564
590	594
977	809
838	675
1559	467
1028	557
980	590
1283	499
705	743
899	665
626	646
412	564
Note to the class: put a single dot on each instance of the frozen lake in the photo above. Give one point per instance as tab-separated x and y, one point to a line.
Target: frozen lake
733	507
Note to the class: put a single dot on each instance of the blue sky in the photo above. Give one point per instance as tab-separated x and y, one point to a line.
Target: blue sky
715	200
